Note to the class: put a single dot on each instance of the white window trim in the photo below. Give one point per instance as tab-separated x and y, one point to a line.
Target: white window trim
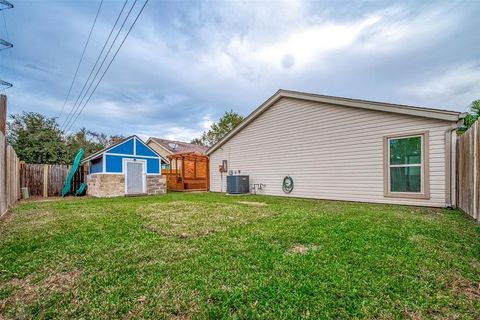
421	165
424	166
131	155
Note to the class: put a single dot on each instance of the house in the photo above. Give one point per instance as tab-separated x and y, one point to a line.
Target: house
342	149
188	168
129	167
167	148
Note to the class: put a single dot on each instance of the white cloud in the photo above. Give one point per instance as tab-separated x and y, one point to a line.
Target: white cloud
400	28
207	122
184	65
456	86
239	55
170	132
308	44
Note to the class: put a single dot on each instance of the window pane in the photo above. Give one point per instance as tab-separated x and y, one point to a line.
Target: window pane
405	179
406	150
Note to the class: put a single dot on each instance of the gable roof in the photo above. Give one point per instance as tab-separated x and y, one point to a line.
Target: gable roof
100	152
440	114
174	147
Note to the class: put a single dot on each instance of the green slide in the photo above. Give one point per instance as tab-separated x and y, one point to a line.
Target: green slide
76	163
81	190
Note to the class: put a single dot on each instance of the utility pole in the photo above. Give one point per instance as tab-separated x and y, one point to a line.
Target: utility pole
3	114
4	5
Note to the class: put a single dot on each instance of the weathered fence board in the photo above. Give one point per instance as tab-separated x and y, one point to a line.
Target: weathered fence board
468	170
9	176
47	180
56	175
477	172
31	176
79	178
3	182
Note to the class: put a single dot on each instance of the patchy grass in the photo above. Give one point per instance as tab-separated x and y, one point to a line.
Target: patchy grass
183	256
186	219
302	249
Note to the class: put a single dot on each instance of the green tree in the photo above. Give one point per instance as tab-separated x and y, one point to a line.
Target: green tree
471	117
90	141
217	131
36	138
85	139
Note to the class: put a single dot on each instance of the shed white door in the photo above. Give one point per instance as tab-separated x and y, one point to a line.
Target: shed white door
135	177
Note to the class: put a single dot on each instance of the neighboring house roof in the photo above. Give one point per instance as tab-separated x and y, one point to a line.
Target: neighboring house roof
440	114
174	147
100	152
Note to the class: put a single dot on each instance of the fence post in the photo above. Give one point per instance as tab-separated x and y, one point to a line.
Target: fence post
476	199
45	180
3	113
3	182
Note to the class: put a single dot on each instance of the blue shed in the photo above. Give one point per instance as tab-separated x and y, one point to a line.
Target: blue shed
127	167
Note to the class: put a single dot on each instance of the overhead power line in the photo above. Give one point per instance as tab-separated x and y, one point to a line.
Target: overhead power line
5	44
12	63
111	61
5	84
5	5
81	58
75	107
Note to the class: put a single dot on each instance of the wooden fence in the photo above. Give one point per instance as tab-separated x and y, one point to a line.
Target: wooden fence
9	176
468	170
47	180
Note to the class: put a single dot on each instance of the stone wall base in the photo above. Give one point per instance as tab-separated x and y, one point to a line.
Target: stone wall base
113	185
105	185
156	184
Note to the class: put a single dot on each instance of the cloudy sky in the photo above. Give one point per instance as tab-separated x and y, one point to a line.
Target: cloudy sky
186	62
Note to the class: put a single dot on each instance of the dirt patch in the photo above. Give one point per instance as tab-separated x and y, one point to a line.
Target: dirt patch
418	238
185	219
412	315
138	309
43	199
466	287
303	249
253	203
28	290
476	265
181	317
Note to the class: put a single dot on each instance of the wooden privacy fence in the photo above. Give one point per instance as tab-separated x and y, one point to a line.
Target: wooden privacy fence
9	176
468	170
47	180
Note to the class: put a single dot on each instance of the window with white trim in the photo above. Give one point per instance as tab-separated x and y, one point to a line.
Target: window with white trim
406	164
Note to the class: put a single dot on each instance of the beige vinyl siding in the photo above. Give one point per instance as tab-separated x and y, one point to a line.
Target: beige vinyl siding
161	151
164	153
331	152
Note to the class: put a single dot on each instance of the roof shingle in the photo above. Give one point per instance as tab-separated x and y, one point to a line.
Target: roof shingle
180	146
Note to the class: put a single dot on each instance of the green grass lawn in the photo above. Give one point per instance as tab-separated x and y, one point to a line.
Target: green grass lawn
185	256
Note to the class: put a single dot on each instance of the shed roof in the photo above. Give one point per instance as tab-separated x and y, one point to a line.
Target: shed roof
440	114
100	152
175	147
